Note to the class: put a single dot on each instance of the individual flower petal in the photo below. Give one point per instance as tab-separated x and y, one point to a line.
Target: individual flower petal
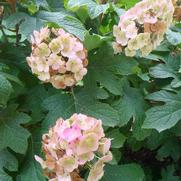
69	163
80	74
130	53
69	80
88	143
84	122
104	145
97	129
56	45
117	47
41	161
131	31
146	50
97	171
82	159
120	36
58	82
74	65
42	50
71	134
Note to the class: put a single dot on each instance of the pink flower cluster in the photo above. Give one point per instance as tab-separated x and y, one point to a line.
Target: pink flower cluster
74	144
57	57
142	28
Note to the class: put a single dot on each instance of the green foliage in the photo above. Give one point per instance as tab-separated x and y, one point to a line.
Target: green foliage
9	162
12	134
127	172
94	9
5	90
165	116
138	99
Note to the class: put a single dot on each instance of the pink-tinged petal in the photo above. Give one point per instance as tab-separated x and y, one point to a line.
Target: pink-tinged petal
69	163
88	143
80	74
104	145
41	161
107	158
97	129
74	65
71	134
83	121
82	159
131	31
117	47
69	80
97	171
150	19
120	36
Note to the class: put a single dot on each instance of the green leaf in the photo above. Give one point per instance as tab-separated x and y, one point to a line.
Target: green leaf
63	105
174	37
168	174
9	162
94	9
64	20
105	69
86	104
5	90
116	156
130	105
166	116
27	23
59	105
127	172
31	169
12	134
170	69
172	148
33	103
118	138
128	4
42	3
93	41
12	78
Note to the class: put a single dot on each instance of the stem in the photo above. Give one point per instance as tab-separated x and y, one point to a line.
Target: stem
1	27
4	34
17	37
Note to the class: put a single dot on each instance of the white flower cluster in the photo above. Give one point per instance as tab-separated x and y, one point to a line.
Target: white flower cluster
142	27
57	57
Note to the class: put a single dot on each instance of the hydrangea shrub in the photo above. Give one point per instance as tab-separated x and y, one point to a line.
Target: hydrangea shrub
90	90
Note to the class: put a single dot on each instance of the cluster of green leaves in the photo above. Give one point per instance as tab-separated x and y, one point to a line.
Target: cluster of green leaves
138	99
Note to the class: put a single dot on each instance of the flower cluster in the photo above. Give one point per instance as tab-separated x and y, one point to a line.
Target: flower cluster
72	145
57	57
177	12
142	27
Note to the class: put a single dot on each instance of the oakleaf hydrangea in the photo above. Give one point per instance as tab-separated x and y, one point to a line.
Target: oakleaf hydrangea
57	57
142	28
73	145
